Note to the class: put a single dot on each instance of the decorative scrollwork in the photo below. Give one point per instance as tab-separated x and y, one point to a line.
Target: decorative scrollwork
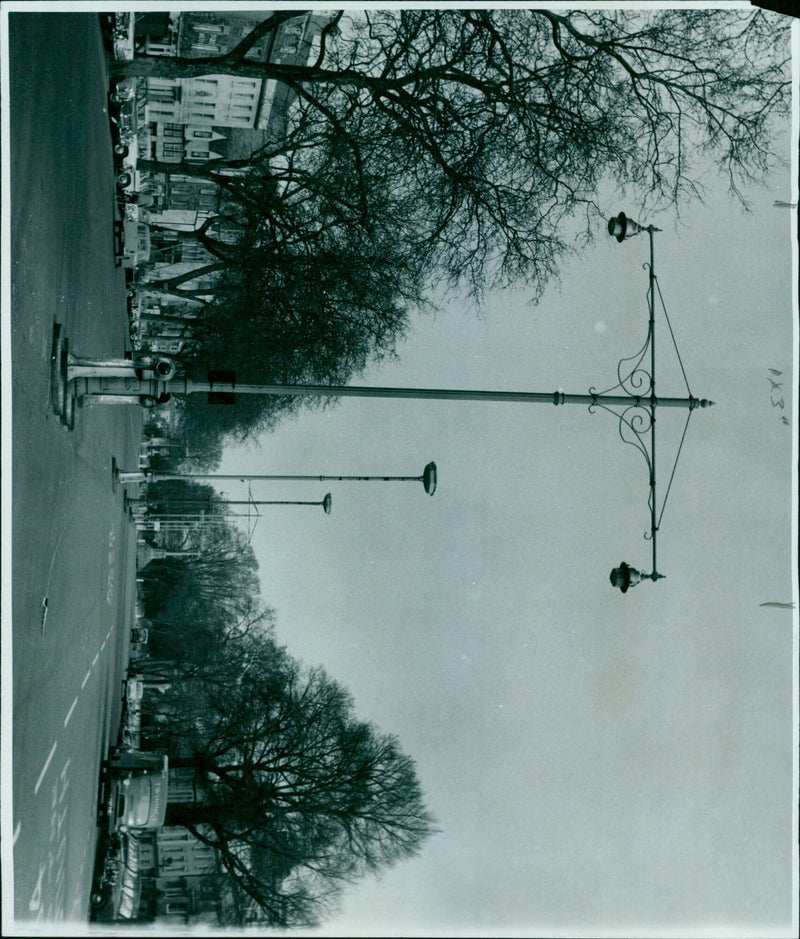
633	378
634	423
638	381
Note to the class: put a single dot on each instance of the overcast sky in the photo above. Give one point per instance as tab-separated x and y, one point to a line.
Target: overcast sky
594	760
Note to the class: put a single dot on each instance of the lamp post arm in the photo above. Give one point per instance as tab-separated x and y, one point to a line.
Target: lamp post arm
184	386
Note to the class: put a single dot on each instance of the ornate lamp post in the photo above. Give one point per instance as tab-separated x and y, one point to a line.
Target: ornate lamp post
637	422
632	400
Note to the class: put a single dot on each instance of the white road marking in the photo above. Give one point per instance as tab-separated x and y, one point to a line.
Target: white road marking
94	660
44	768
16	833
86	678
69	713
36	900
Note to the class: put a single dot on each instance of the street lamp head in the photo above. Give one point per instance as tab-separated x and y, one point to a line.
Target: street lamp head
429	478
326	504
625	577
622	227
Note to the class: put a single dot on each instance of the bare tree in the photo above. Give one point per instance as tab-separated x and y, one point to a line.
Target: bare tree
297	795
494	128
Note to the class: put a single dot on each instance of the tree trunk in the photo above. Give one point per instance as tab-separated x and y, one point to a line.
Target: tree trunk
179	279
188	814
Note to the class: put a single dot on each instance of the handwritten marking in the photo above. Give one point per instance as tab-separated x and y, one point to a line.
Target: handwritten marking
44	768
776	386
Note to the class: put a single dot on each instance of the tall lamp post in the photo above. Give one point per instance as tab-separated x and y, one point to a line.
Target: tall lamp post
632	400
428	478
132	503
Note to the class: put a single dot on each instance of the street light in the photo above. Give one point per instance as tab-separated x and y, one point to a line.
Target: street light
428	478
634	394
129	503
625	576
622	227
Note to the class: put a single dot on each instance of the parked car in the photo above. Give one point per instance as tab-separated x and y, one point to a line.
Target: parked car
134	691
140	634
107	875
124	90
125	177
123	35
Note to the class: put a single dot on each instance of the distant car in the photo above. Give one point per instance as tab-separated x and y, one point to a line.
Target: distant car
134	691
123	147
123	35
124	178
140	634
123	91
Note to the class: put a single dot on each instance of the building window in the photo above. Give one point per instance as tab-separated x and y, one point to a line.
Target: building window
178	906
162	94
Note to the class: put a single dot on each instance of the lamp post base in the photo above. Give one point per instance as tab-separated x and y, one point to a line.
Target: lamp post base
78	380
62	396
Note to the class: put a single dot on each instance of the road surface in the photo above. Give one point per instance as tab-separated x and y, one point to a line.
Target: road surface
73	561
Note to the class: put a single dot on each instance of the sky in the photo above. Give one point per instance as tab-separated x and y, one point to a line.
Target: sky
594	760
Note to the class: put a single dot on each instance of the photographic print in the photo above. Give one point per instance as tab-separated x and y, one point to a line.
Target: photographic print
400	467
